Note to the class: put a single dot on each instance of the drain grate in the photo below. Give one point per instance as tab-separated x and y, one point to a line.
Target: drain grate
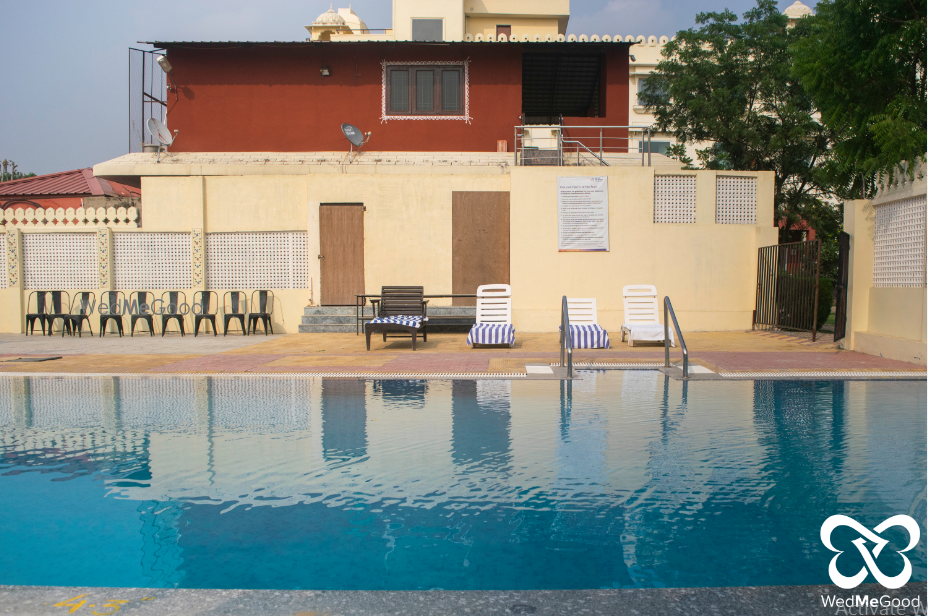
265	375
627	366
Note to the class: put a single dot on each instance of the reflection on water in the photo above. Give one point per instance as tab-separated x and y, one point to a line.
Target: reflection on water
621	479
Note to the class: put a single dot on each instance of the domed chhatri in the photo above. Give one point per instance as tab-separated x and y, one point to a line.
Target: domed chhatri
797	9
329	18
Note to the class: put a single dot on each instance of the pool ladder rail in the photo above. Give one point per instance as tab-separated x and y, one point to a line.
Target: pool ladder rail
567	343
676	326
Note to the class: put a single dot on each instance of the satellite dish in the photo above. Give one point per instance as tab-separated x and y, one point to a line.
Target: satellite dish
353	134
355	137
160	132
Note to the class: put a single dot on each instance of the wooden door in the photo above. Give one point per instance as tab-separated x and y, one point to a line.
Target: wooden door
480	241
341	245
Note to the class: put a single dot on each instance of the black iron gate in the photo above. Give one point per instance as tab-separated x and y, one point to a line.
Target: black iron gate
787	287
844	249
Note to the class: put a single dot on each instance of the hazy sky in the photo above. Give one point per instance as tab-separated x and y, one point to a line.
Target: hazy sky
64	64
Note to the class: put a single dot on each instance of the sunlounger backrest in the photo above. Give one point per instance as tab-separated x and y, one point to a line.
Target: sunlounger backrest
640	303
401	301
581	310
494	303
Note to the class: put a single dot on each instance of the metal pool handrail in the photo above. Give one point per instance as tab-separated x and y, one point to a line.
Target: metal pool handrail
676	326
567	342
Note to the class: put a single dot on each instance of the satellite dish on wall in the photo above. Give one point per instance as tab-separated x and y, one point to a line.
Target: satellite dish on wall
355	137
161	134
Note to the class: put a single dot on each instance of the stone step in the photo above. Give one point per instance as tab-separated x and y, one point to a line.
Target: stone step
328	320
334	311
326	329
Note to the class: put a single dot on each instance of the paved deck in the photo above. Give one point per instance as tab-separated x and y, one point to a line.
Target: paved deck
720	352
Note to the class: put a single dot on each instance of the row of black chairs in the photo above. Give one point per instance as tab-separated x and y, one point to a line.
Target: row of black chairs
47	307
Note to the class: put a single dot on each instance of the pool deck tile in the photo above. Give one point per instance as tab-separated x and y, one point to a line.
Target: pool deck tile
740	601
737	351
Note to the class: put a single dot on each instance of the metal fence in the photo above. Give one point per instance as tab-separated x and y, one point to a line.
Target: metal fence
148	89
787	287
558	145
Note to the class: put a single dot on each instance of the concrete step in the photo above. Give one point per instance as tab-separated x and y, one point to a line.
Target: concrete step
328	320
334	311
327	329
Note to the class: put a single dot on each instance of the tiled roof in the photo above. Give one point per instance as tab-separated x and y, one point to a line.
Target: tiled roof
76	183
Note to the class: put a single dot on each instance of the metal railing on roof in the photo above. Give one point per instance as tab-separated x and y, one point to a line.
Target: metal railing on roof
563	146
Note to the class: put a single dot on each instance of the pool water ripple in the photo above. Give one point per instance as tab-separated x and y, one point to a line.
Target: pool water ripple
622	479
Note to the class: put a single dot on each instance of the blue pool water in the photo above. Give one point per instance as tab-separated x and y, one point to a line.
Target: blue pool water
621	479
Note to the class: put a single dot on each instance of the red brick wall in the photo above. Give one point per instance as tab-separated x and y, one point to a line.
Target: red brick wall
273	99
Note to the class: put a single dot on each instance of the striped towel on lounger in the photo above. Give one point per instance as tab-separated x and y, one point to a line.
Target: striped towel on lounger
588	337
492	333
400	320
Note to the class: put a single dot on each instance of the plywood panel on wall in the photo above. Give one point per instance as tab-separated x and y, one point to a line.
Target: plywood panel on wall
480	241
341	241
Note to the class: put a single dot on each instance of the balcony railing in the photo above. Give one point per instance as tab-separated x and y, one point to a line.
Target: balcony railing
554	145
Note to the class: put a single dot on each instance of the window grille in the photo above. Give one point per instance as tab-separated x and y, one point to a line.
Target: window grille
272	260
899	244
147	403
66	402
152	261
60	261
736	201
675	199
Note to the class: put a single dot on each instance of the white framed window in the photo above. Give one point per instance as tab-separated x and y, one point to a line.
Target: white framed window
675	199
424	90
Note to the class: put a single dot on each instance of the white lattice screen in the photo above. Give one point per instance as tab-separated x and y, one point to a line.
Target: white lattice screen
899	244
273	260
675	198
60	261
735	201
152	261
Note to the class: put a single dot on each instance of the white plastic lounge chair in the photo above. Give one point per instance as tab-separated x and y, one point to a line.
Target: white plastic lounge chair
642	315
585	332
494	316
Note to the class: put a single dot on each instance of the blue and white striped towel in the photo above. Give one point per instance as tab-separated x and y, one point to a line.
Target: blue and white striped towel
492	333
588	337
400	320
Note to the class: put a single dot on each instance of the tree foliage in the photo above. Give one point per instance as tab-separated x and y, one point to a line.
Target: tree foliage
863	64
730	83
8	171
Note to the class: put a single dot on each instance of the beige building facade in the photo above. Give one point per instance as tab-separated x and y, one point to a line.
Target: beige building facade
200	222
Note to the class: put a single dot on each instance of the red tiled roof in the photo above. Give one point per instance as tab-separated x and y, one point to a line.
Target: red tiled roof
76	183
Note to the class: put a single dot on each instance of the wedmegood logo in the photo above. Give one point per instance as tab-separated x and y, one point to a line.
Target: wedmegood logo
870	559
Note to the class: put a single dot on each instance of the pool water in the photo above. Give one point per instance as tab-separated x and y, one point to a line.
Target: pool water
621	479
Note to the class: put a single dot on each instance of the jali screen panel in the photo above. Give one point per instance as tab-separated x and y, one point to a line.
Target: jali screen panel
735	201
899	244
60	261
675	198
271	260
145	261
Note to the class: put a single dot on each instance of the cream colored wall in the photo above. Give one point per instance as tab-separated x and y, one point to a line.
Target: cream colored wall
708	270
451	11
885	321
520	25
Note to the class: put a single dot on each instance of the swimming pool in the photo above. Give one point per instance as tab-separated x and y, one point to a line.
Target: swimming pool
621	479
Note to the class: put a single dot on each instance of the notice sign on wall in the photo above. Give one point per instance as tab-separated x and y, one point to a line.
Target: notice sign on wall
582	214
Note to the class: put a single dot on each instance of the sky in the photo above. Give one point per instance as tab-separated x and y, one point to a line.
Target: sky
64	64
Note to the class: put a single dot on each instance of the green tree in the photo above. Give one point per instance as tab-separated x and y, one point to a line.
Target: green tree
863	64
731	83
8	171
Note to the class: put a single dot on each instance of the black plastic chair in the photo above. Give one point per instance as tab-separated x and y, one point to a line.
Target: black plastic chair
140	310
85	301
58	308
171	310
38	313
233	307
265	308
113	301
206	301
